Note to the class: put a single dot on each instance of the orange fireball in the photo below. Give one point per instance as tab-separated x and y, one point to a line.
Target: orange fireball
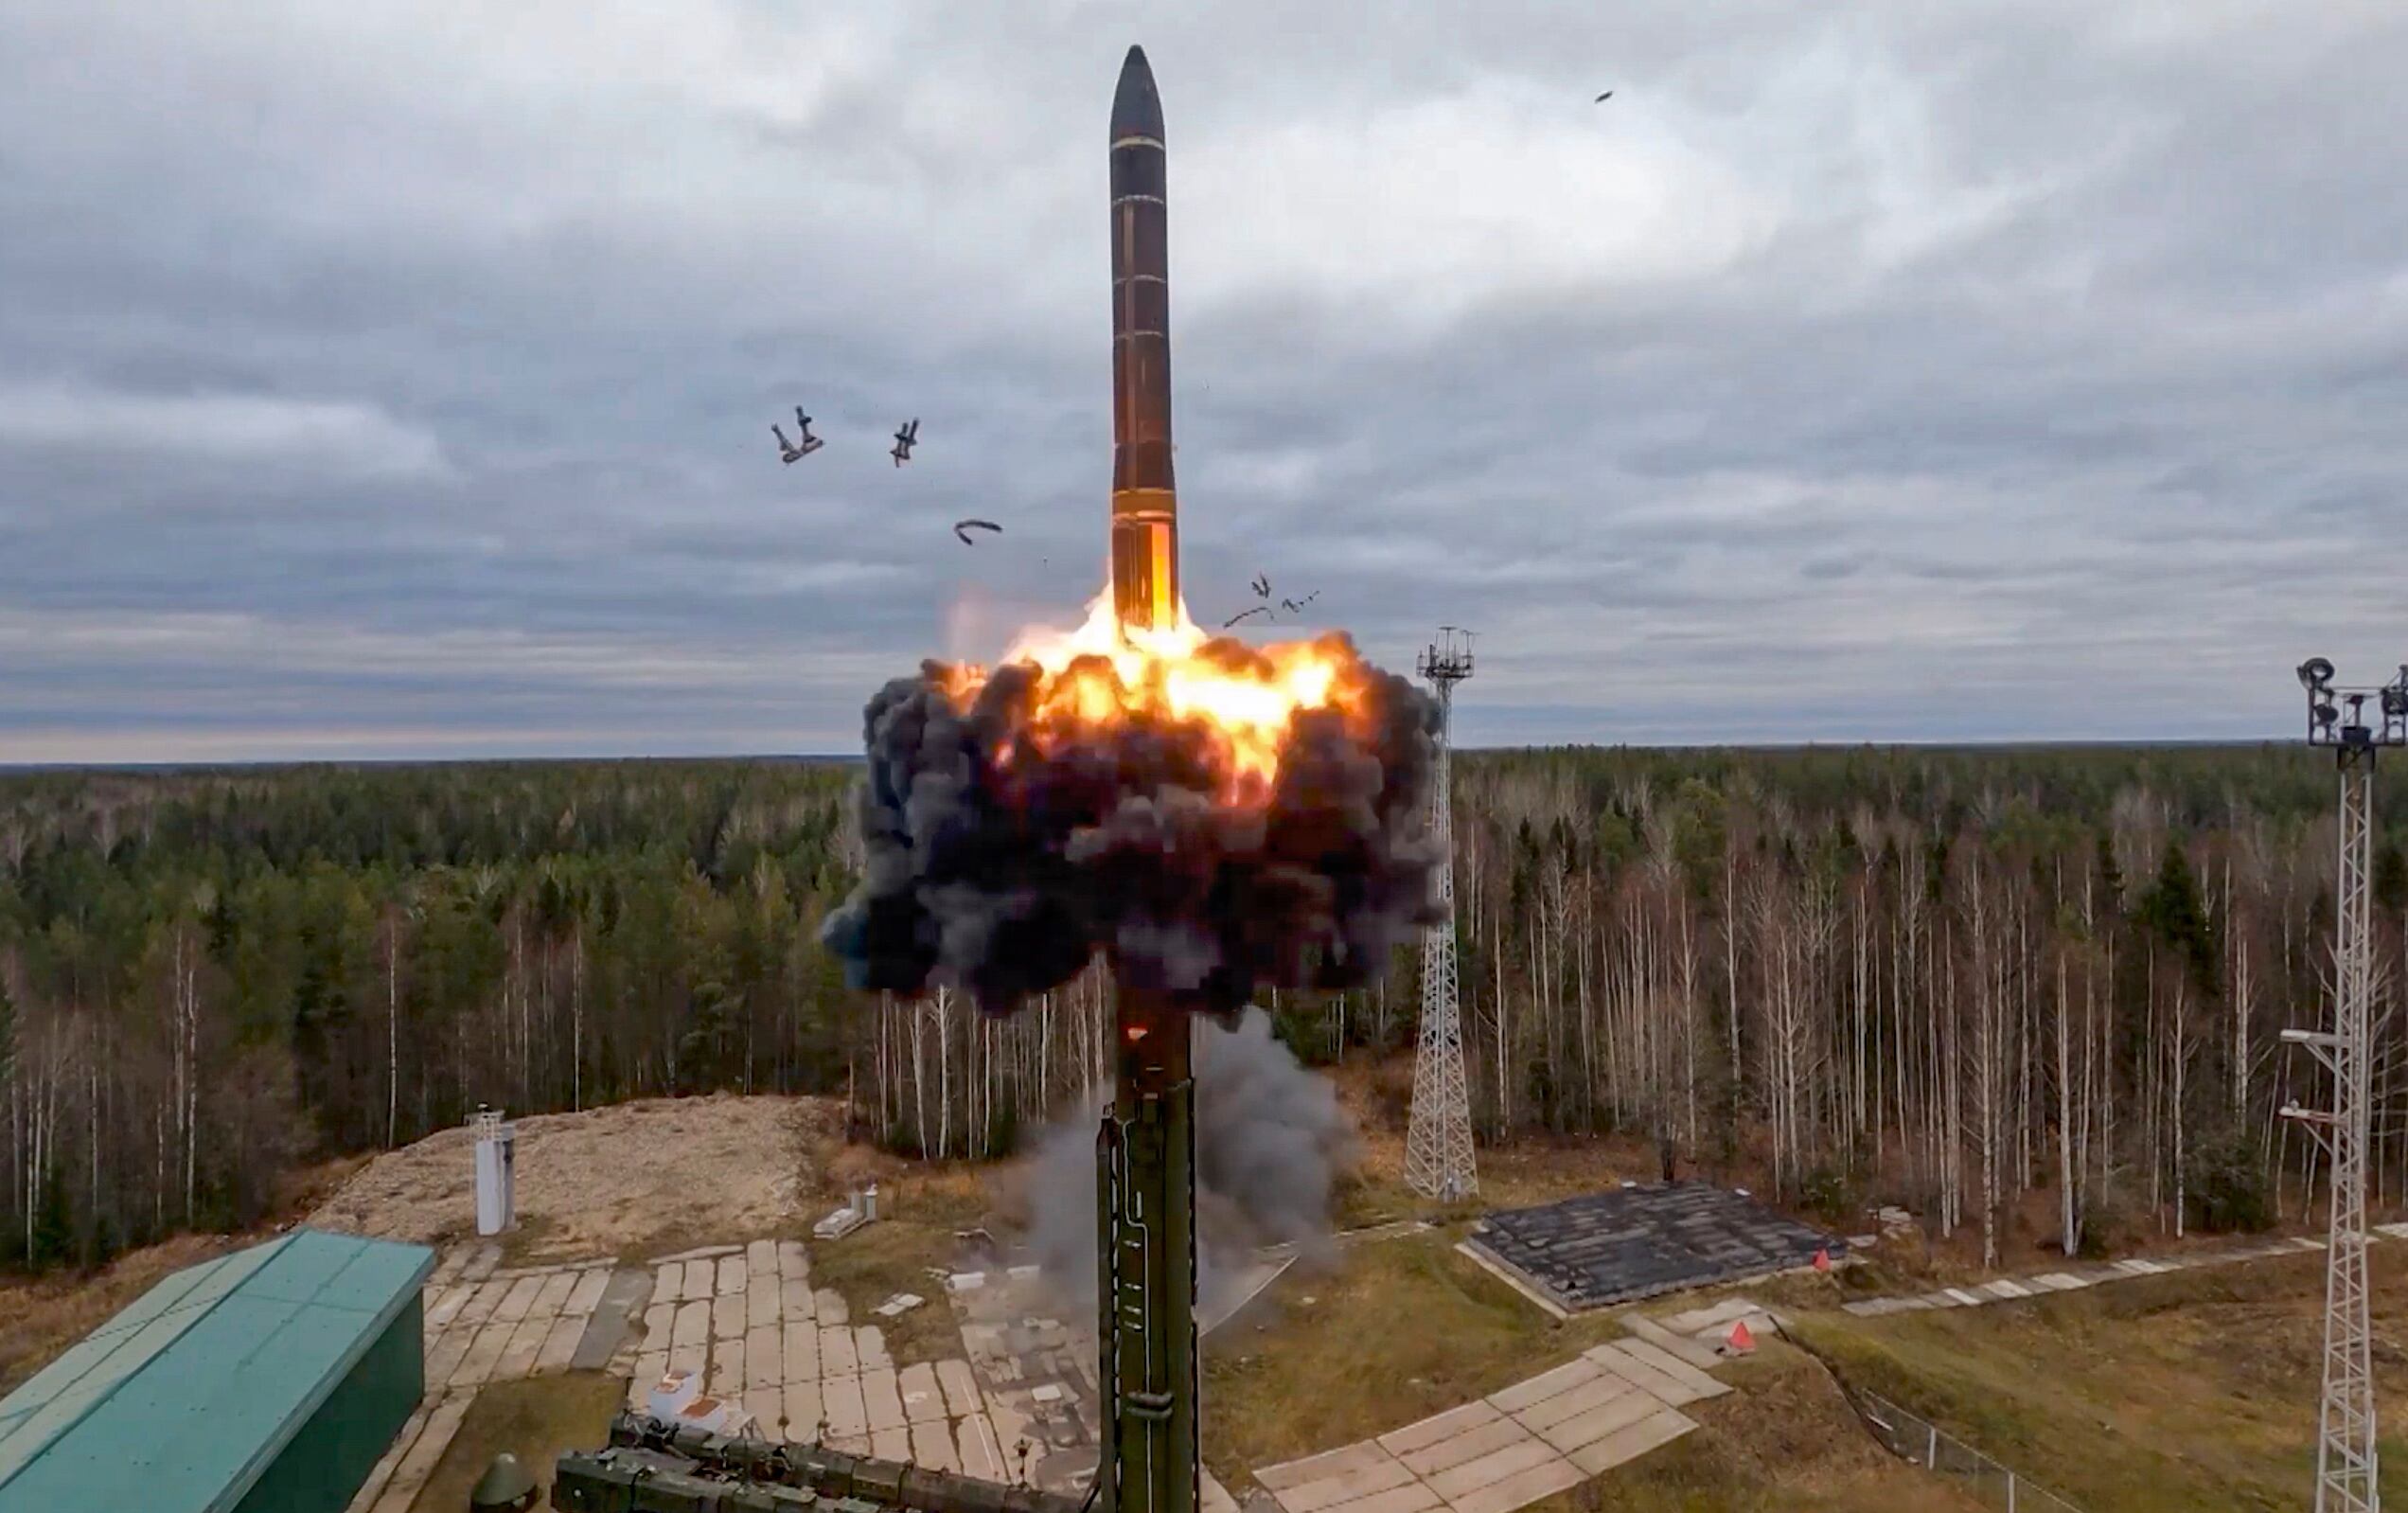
1104	676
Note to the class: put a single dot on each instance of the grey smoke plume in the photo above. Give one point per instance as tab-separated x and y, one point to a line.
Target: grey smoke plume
1270	1139
1002	864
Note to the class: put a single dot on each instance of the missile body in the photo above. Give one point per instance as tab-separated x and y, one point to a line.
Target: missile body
1144	504
1145	1150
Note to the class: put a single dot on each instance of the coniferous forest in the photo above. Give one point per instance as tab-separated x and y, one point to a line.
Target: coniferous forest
1951	978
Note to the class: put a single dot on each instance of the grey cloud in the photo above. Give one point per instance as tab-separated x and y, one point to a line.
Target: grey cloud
2055	350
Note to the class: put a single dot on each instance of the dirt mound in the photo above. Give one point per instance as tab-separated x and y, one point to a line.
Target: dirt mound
616	1181
40	1319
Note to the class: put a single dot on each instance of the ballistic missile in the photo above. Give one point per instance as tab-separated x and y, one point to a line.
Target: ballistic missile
1145	503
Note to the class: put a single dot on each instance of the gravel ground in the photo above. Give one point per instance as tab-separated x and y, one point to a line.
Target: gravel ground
611	1181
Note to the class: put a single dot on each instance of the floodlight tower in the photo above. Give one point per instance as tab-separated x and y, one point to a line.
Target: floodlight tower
2346	1473
1438	1137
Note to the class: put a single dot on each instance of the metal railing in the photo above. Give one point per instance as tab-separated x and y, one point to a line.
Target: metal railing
1918	1439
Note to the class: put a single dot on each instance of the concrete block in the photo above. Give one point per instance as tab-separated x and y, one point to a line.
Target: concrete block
980	1453
1317	1468
726	1379
932	1446
869	1347
761	1303
836	1355
1644	1375
1330	1491
1484	1439
1586	1429
799	1350
802	1404
516	1301
1439	1425
559	1344
881	1400
1588	1395
1545	1479
1630	1443
923	1399
1457	1481
554	1294
764	1357
1681	1371
960	1384
841	1401
1545	1384
1413	1497
586	1295
764	1406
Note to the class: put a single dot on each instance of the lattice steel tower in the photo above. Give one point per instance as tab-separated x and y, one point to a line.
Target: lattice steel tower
1438	1138
2345	1470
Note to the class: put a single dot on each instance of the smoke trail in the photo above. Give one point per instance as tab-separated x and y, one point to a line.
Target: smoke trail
1270	1139
1001	856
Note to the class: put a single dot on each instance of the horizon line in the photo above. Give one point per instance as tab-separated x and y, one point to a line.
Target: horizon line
565	758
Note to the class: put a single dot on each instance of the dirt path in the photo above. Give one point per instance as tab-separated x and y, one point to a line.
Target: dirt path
608	1182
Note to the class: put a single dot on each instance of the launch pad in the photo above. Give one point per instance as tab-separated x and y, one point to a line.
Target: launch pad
1630	1243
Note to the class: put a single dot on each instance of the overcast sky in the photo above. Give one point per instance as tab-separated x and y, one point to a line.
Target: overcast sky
394	378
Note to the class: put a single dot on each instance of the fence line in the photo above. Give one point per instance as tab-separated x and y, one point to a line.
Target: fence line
1911	1437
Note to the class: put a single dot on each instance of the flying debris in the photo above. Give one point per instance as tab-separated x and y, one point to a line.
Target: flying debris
905	440
1259	609
1603	99
790	451
964	528
1297	606
1261	583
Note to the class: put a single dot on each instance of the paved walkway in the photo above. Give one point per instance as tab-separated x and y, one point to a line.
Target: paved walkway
2009	1289
485	1323
746	1317
749	1320
1529	1441
1038	1370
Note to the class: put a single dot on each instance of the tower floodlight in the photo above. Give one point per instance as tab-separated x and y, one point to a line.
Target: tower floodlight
2345	1469
1437	1137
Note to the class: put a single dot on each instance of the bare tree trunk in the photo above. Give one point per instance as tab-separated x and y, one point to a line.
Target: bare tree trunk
944	1071
2068	1209
2182	1060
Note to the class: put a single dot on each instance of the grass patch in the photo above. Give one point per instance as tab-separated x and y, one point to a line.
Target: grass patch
1784	1441
531	1241
534	1419
1404	1328
1408	1328
2179	1392
919	1217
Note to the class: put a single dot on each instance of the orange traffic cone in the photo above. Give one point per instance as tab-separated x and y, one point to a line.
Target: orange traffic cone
1739	1341
1822	1259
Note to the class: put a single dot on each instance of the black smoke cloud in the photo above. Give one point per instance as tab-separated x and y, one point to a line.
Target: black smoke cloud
1000	863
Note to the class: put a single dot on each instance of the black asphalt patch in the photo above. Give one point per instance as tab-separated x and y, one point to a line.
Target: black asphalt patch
1635	1242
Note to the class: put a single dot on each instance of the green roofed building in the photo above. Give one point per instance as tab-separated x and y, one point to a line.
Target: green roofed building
265	1381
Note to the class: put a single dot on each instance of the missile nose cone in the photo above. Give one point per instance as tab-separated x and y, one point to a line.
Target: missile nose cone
1136	109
